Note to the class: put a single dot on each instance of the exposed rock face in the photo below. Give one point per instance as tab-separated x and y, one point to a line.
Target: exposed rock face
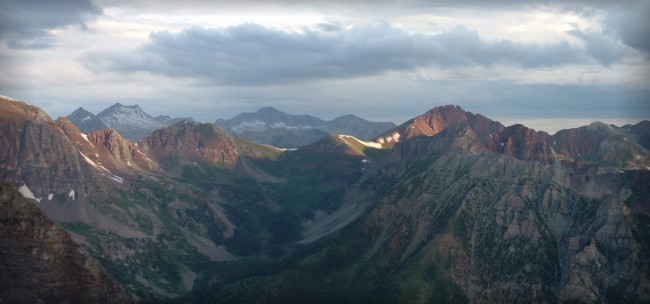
600	143
85	121
124	154
37	152
522	143
438	119
195	142
40	263
593	144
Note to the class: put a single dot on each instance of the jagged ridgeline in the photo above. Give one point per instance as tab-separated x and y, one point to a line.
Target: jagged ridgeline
448	207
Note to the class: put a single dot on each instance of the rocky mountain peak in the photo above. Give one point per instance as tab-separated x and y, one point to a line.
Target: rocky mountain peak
81	111
438	119
119	108
86	121
194	141
131	121
119	154
12	109
522	143
269	111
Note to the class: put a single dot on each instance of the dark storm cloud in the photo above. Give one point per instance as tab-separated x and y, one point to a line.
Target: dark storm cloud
255	55
600	46
25	23
632	24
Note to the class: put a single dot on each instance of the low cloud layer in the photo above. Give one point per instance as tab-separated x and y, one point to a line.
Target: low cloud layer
251	54
25	24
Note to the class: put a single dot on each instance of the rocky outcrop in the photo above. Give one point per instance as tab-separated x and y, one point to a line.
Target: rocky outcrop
37	152
40	263
599	143
438	119
522	143
193	142
124	155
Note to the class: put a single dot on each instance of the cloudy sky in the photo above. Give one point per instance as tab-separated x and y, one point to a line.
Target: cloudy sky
546	64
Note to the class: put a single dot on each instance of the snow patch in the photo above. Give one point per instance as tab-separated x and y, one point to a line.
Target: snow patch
71	194
50	196
8	98
86	118
396	137
86	138
116	178
131	116
502	144
365	161
256	125
365	143
282	125
24	190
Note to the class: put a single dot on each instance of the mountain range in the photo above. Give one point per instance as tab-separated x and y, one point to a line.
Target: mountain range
130	121
273	127
450	206
266	126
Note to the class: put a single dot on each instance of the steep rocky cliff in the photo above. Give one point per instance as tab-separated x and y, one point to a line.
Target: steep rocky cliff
40	263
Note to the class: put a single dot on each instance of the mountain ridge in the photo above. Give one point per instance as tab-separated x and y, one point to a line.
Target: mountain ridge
476	212
131	121
265	124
